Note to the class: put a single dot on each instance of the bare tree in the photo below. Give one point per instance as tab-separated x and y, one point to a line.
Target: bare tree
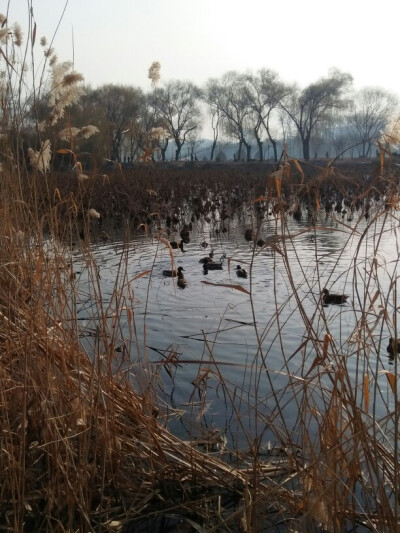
230	97
179	111
373	110
265	95
194	143
314	104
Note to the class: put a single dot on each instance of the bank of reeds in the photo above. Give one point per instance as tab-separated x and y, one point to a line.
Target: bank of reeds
83	448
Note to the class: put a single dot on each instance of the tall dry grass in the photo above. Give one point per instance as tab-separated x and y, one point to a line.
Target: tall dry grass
83	449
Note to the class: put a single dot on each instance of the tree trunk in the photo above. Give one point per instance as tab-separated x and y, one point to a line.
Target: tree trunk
274	147
178	151
116	144
248	151
114	152
164	150
260	148
240	151
213	147
306	147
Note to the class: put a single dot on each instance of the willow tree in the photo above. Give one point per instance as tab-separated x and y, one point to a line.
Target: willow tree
230	97
265	92
116	107
178	111
372	111
315	104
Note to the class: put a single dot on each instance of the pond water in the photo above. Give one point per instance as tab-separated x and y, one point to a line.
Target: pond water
219	357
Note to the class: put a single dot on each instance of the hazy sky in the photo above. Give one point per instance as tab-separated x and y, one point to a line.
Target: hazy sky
115	41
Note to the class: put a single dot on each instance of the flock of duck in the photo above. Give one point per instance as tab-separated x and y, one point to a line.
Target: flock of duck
327	297
208	262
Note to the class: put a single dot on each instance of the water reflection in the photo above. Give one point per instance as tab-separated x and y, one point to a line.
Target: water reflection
233	351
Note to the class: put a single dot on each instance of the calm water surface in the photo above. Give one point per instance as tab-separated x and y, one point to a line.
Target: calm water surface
254	344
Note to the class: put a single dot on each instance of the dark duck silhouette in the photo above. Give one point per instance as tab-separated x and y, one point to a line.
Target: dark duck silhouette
214	265
333	299
248	235
241	272
208	259
185	235
181	281
172	273
175	245
393	346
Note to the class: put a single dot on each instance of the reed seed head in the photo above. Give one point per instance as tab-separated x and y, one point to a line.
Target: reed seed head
17	34
41	159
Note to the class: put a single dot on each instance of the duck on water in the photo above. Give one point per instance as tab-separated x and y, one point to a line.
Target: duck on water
208	258
393	346
173	273
213	265
181	281
177	245
241	272
333	299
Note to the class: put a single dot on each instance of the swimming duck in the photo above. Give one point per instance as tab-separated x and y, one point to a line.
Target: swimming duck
393	346
181	282
185	235
248	235
241	272
172	273
175	245
335	299
208	259
213	266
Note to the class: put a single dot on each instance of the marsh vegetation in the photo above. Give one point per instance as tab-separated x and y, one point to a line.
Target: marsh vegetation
209	400
236	404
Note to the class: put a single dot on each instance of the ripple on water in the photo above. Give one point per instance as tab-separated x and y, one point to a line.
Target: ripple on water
258	341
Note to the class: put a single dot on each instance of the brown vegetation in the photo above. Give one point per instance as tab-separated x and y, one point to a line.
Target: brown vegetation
81	448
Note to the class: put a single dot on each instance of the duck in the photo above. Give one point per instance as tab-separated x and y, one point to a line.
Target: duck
173	273
185	235
208	259
181	281
241	272
393	346
248	235
175	245
213	265
334	299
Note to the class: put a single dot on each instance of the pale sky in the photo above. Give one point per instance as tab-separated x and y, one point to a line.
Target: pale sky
116	41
